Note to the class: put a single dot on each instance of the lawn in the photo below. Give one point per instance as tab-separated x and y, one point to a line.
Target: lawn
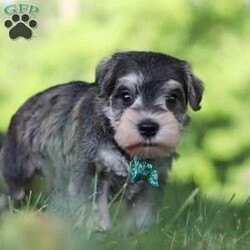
188	221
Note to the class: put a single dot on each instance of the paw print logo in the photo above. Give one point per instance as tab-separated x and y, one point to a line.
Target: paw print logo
20	26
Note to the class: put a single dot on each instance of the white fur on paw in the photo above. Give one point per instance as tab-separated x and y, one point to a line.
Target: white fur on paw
118	164
113	161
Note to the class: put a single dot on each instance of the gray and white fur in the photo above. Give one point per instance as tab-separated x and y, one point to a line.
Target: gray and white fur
137	106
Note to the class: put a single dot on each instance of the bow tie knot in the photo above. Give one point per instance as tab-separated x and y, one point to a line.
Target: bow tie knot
143	170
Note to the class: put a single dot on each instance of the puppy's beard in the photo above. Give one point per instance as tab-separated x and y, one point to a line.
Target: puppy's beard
128	137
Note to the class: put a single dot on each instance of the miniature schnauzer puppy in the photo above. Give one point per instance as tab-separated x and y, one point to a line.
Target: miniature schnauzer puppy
137	106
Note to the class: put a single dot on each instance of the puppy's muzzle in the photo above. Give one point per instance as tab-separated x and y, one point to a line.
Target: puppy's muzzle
148	128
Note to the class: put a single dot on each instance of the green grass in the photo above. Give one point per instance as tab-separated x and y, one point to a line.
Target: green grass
187	221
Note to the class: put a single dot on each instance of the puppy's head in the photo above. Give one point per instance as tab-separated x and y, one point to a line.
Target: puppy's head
146	96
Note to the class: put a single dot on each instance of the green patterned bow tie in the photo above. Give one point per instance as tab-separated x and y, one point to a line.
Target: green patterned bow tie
143	170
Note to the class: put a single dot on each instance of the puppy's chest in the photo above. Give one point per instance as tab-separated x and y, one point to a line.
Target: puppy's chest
122	187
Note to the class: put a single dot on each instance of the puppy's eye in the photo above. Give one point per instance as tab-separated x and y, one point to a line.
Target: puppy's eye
171	100
126	97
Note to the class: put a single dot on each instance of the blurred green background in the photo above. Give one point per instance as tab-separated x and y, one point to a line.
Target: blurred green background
214	36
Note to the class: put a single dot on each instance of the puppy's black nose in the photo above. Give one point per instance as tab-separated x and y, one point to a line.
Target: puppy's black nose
148	128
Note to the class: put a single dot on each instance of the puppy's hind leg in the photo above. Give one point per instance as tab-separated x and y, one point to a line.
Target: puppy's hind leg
18	170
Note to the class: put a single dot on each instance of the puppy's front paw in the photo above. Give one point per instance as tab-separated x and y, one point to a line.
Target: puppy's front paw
114	161
120	166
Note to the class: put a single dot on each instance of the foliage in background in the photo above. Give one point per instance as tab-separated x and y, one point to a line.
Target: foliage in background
213	35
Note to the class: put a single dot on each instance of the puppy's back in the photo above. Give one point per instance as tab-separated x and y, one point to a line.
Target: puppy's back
43	127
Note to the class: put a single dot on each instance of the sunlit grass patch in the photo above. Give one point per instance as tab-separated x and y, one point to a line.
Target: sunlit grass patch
187	221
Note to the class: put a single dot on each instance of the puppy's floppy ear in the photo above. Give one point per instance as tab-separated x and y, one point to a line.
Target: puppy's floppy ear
105	76
194	87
